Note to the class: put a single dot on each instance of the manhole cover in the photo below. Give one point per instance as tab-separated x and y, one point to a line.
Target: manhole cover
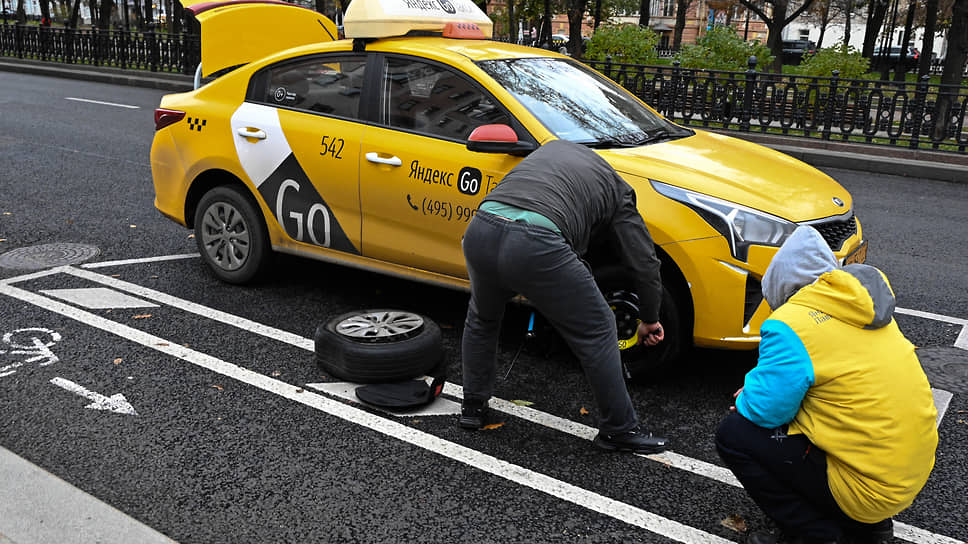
47	255
946	368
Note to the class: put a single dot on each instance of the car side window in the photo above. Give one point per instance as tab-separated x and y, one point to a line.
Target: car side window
327	85
431	99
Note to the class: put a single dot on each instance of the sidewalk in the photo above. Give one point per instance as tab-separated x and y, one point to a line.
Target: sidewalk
898	161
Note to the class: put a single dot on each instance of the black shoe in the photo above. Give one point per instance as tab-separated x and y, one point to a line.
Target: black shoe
472	414
881	532
635	441
766	537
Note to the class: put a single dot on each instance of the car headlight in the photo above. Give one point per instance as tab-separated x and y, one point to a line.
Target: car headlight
740	225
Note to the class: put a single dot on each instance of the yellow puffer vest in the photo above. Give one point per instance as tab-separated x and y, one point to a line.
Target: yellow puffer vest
870	407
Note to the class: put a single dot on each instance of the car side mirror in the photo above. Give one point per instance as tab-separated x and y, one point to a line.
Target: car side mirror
498	139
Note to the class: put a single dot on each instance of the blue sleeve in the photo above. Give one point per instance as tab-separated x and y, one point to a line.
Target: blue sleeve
774	389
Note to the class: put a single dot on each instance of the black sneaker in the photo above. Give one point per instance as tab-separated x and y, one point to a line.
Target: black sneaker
881	532
472	414
635	441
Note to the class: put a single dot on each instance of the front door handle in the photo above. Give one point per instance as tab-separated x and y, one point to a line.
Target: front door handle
252	133
375	157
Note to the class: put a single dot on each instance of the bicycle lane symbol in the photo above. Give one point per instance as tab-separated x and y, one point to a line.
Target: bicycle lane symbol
34	343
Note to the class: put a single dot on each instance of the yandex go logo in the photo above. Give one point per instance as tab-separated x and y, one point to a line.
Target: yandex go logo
469	181
316	212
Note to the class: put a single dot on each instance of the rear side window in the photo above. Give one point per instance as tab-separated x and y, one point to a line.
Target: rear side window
432	99
326	85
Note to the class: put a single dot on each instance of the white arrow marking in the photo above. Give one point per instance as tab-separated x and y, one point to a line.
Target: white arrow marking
115	403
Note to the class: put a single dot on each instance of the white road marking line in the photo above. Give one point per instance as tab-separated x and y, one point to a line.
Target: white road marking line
102	103
487	463
123	262
942	399
98	298
669	458
347	391
960	342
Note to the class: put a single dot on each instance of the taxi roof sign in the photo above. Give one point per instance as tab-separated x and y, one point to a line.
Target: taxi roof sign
386	18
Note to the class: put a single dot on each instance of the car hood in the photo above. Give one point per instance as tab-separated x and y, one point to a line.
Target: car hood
737	171
234	32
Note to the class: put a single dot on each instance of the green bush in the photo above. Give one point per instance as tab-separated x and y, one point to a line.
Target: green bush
847	60
628	43
722	49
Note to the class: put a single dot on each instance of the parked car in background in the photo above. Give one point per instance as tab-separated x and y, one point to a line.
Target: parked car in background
890	58
794	50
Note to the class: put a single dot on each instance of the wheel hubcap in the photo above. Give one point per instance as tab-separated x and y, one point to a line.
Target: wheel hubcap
225	236
381	326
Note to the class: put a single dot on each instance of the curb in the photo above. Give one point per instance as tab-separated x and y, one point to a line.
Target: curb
896	161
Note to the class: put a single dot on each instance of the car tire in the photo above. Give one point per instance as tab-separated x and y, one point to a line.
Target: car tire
643	361
378	346
231	235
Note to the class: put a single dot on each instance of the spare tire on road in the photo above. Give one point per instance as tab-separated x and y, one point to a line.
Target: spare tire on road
378	346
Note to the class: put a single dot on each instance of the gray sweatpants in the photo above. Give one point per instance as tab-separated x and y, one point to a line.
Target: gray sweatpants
505	258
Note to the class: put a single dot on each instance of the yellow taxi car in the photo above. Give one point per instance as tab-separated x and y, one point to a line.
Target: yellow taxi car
374	151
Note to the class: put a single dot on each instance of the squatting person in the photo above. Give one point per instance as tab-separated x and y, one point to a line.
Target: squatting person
834	430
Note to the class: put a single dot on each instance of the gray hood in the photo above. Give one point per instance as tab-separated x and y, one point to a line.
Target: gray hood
800	261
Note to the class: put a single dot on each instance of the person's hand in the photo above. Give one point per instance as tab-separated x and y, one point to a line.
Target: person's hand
651	334
736	394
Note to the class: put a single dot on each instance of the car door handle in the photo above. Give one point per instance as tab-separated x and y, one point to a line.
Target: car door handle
252	133
375	157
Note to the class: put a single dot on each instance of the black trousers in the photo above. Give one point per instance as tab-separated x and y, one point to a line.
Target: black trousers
786	476
505	258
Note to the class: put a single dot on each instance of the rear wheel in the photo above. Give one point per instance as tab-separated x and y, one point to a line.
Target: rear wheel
640	360
231	235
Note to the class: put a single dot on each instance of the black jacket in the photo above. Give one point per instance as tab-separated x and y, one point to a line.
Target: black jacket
583	195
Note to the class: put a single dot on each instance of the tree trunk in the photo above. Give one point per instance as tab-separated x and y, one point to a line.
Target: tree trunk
848	14
75	13
681	7
644	9
45	10
576	13
104	14
954	66
544	36
877	9
927	47
598	15
900	69
512	23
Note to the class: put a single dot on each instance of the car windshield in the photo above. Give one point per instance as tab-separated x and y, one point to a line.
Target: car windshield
578	104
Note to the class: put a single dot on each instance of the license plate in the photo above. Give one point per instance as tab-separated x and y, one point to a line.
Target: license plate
858	256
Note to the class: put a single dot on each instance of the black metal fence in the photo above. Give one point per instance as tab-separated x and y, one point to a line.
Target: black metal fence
915	115
149	50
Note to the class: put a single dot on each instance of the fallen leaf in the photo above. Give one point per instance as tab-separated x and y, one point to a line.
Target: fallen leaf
442	325
583	411
3	239
191	235
735	523
162	344
300	390
219	387
154	277
117	361
276	373
133	226
141	316
492	426
416	421
7	213
115	275
522	402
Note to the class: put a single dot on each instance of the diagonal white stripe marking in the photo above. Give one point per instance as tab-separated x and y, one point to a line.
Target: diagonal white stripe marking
128	106
123	262
487	463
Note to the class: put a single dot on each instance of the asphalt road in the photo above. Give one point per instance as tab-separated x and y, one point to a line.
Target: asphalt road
233	438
